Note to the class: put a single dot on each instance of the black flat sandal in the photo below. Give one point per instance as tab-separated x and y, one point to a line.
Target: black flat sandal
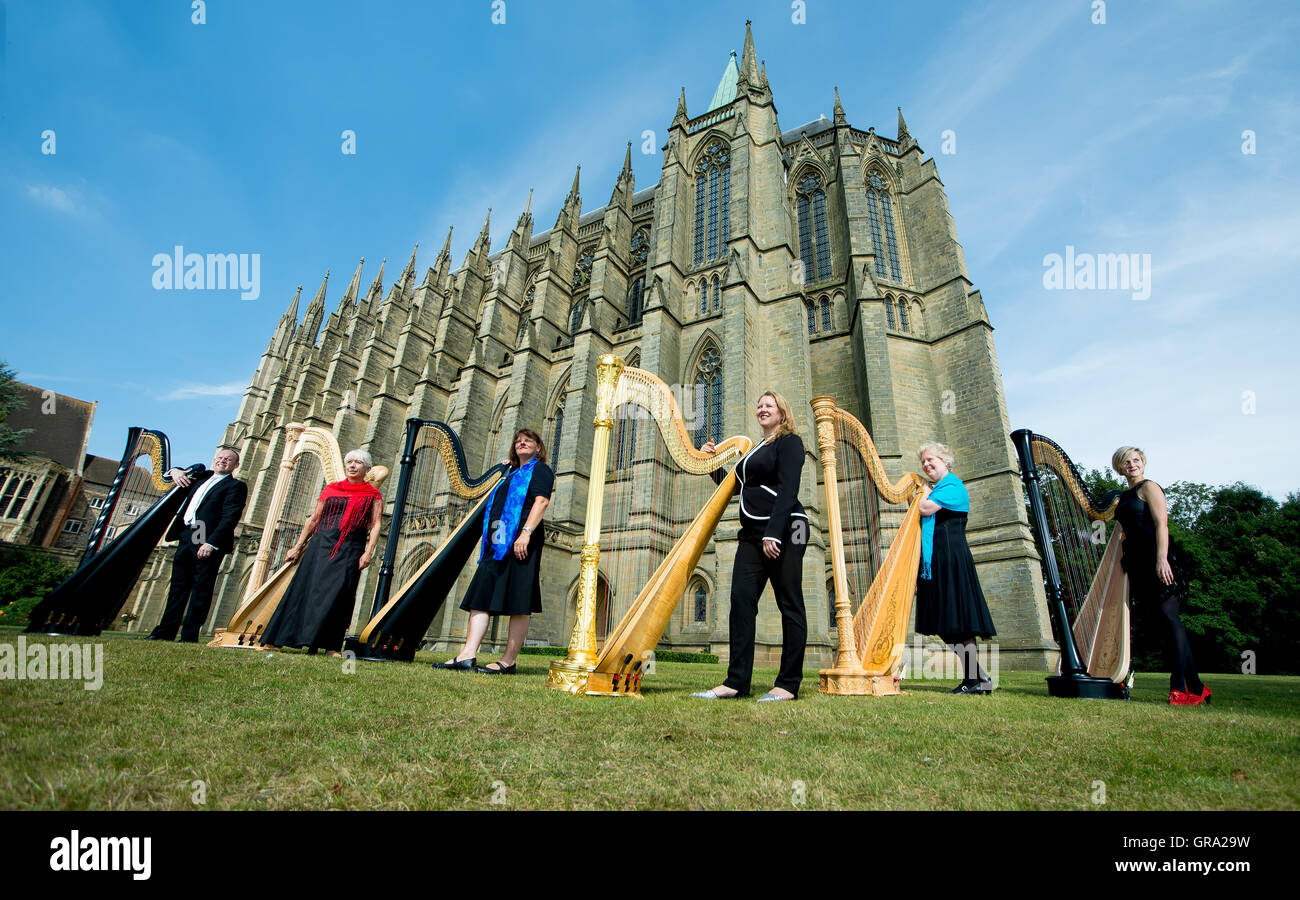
499	670
460	665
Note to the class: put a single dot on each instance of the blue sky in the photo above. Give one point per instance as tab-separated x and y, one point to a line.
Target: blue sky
1122	137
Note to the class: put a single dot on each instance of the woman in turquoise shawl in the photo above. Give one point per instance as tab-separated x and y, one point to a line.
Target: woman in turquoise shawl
508	579
949	602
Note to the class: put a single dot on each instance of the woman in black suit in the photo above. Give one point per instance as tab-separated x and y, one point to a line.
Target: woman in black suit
771	544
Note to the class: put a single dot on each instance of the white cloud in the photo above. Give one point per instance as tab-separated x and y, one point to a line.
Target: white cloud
194	391
60	199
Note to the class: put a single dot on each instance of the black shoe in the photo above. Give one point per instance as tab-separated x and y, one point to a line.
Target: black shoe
973	687
461	665
499	670
156	637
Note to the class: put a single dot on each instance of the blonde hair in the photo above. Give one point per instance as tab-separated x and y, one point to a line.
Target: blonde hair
1117	458
939	450
787	416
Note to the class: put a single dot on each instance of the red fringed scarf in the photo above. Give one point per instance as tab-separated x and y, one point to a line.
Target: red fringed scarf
359	496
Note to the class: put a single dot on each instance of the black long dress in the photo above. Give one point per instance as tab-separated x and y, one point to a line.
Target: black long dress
510	586
1151	599
317	606
951	604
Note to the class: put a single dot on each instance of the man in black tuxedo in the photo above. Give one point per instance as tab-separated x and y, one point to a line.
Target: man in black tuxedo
205	527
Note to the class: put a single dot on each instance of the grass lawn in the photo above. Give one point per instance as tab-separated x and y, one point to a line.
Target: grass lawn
290	731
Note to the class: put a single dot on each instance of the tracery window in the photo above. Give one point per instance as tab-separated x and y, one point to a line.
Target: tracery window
640	250
712	203
582	270
708	405
880	220
814	238
635	300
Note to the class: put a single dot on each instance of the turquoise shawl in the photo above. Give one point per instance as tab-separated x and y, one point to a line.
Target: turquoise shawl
503	535
951	494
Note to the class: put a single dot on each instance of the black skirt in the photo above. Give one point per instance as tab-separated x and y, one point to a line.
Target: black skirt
951	603
316	608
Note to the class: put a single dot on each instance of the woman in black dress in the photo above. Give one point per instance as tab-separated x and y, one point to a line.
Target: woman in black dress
949	601
1155	574
317	605
508	579
770	547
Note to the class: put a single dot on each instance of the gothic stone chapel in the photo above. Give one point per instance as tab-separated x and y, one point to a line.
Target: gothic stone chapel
814	260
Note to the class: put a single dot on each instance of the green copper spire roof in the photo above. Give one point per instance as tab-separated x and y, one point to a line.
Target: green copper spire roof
726	91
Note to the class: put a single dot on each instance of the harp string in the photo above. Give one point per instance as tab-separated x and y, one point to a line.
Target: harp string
647	506
431	508
305	484
139	489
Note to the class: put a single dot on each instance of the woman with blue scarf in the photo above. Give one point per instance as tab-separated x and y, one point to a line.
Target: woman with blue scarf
508	580
949	602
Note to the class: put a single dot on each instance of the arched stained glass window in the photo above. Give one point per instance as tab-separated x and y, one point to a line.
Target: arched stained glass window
717	295
634	301
902	314
880	219
558	430
814	237
889	313
704	297
575	315
826	313
812	319
712	203
708	396
701	598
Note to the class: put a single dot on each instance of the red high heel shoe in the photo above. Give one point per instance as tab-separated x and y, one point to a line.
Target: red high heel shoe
1179	698
1202	698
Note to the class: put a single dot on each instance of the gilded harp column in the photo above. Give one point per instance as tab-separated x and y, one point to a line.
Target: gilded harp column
292	432
847	675
570	674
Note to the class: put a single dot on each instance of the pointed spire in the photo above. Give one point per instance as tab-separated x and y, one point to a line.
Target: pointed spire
445	252
310	326
681	107
376	288
528	208
727	84
485	236
291	314
748	58
903	134
574	197
839	109
350	295
622	193
762	74
406	282
627	163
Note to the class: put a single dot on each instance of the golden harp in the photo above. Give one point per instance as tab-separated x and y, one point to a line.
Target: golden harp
658	522
1087	590
858	495
311	460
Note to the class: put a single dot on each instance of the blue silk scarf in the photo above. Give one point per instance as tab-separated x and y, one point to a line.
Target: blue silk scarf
502	537
951	494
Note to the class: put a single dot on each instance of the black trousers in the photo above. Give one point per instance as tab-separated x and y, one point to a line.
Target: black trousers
192	582
751	573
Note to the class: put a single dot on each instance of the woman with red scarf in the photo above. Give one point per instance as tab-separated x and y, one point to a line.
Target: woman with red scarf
317	606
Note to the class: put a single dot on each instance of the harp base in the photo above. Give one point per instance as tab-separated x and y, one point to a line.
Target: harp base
232	640
569	676
375	653
1086	687
856	683
606	684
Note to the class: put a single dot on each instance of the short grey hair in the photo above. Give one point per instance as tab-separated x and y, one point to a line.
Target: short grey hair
362	455
939	450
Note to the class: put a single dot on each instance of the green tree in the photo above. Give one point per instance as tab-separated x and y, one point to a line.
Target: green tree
10	401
